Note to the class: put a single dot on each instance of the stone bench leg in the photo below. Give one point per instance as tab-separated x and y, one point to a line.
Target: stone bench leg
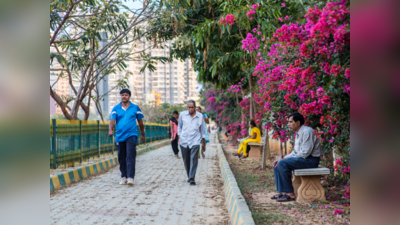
255	152
296	182
310	189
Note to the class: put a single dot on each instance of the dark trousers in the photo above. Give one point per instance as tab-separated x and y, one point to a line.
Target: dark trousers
248	150
127	157
190	159
283	171
174	145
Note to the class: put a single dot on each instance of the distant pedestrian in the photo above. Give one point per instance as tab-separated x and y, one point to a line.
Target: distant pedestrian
173	123
191	132
123	117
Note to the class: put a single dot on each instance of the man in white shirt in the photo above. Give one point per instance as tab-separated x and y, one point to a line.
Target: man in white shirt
191	133
306	154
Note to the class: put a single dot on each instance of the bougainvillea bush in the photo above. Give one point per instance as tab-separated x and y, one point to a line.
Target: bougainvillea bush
223	107
305	67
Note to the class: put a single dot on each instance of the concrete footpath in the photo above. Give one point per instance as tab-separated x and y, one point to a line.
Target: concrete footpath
160	195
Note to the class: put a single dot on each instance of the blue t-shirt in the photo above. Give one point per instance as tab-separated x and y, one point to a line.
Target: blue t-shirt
126	121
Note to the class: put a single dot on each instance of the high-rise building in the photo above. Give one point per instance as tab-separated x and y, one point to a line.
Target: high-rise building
171	82
174	81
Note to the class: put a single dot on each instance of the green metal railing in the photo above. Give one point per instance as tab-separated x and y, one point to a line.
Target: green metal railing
73	141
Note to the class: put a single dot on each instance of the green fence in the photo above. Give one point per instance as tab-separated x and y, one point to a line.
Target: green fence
73	141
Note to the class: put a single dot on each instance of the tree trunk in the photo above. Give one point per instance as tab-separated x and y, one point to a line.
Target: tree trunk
87	109
254	107
98	106
242	111
251	97
61	103
266	149
281	148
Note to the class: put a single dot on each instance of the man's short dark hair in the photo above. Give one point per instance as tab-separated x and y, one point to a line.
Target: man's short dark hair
125	91
192	102
199	107
297	117
175	112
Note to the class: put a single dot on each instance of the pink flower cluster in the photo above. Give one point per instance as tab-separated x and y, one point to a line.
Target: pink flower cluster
338	211
346	192
235	88
296	84
251	43
339	166
211	99
252	10
229	19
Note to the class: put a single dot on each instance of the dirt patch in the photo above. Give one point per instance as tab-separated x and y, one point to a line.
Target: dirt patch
258	186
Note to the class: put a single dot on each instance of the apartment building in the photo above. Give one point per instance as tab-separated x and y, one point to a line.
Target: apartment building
174	81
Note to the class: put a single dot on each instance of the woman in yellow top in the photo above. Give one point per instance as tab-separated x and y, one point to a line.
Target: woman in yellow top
255	137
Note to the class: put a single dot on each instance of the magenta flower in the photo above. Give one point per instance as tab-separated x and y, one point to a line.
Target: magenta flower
283	4
338	212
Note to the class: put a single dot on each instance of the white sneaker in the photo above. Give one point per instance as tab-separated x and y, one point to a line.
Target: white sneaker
123	180
130	181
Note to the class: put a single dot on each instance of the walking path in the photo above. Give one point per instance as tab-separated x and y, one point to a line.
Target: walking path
160	195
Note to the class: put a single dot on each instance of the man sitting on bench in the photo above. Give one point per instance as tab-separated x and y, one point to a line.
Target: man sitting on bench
255	137
306	154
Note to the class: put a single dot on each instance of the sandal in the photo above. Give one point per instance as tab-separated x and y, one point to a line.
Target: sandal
242	157
277	196
235	154
285	198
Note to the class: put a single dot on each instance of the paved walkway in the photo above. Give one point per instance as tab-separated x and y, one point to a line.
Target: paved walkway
160	195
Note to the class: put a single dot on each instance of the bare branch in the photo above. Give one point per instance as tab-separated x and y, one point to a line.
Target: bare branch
66	16
69	40
58	69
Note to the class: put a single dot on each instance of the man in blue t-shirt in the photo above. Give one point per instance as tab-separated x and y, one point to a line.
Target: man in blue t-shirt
123	117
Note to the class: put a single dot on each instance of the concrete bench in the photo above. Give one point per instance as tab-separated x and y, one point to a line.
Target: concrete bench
307	183
256	150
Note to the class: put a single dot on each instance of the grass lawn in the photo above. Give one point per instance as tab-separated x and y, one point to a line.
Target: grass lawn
258	186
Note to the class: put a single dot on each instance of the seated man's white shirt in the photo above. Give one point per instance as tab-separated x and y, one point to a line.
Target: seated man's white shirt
305	144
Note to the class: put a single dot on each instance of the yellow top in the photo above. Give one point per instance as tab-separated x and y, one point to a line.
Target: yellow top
257	131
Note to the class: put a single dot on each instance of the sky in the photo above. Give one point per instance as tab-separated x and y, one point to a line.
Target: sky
134	4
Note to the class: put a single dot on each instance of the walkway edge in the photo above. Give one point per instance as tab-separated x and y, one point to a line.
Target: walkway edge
239	212
63	179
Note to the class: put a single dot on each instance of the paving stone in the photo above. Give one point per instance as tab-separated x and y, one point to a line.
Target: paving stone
160	194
